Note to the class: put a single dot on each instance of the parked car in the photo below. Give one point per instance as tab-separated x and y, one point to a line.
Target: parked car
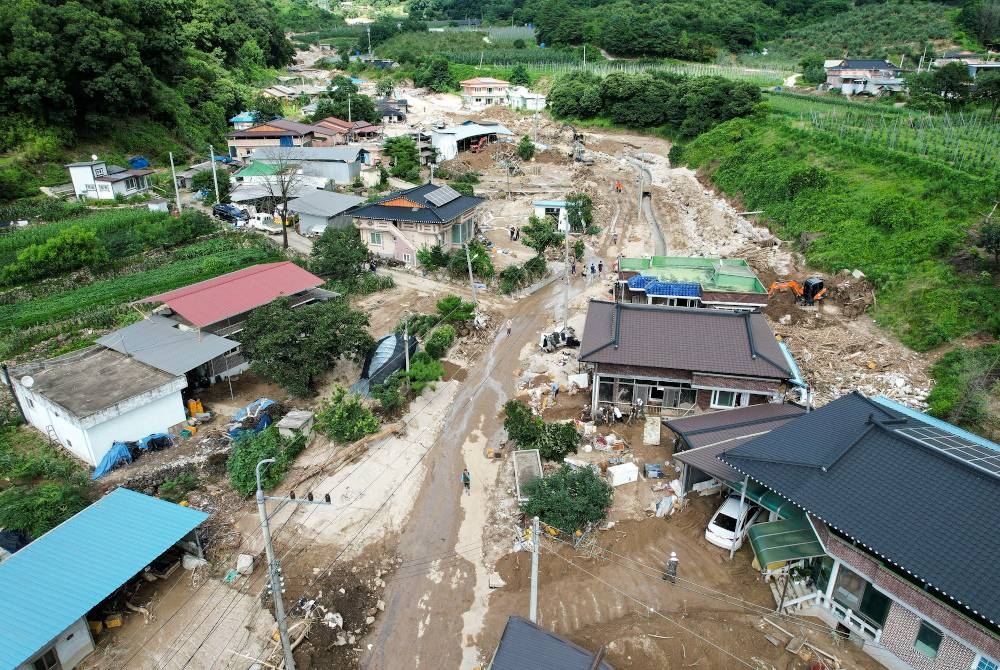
264	223
721	529
231	213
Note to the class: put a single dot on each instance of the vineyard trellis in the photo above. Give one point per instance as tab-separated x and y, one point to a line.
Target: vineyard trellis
968	142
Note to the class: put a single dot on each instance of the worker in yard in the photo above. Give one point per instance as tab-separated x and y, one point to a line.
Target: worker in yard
614	237
593	270
467	481
600	267
510	324
511	231
555	390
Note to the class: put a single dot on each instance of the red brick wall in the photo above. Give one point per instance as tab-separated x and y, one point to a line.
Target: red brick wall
703	399
900	634
901	641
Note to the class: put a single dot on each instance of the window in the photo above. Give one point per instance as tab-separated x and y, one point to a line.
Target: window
723	398
131	183
986	664
928	640
375	238
91	187
47	661
407	258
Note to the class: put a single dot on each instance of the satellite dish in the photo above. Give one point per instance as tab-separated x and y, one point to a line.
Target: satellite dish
27	381
93	157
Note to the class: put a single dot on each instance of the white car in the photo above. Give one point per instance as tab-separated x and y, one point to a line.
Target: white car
721	529
264	223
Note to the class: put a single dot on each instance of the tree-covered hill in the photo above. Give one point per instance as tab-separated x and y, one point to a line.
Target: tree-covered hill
86	67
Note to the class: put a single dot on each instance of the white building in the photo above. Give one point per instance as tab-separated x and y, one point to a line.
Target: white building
554	209
97	180
87	400
519	97
482	92
341	165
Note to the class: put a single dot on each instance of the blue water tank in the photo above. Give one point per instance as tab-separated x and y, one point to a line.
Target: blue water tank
138	162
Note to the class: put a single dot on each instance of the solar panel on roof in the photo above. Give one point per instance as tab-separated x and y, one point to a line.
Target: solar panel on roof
442	196
674	289
955	446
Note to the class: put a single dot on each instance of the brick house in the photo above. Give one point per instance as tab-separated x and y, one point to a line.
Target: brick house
892	513
276	133
677	359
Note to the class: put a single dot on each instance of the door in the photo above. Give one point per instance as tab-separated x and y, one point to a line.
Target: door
285	141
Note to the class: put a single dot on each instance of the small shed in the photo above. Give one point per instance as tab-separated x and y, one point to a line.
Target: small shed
319	210
527	468
51	585
296	422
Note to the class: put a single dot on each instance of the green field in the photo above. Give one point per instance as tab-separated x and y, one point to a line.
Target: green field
61	309
901	218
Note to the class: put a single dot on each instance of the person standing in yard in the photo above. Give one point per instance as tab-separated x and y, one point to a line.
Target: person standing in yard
467	481
555	390
509	324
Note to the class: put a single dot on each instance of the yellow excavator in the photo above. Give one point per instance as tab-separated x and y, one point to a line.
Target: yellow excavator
808	292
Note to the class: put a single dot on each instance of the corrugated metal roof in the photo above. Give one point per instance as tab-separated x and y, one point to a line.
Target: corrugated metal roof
528	646
213	300
59	577
333	154
323	203
159	343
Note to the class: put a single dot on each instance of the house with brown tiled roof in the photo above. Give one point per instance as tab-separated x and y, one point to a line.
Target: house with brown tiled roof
276	133
675	359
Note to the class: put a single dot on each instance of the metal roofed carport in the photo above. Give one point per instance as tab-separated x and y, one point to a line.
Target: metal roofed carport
785	540
62	575
157	342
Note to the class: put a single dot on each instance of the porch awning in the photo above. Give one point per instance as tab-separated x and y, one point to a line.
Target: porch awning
784	540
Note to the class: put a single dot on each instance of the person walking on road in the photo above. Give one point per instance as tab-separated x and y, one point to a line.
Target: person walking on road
600	267
467	481
614	237
509	324
555	390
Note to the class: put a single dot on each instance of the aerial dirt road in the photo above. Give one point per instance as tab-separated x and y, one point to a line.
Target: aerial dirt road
422	626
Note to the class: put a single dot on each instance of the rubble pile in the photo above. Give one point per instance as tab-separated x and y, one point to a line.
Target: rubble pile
836	359
341	606
852	292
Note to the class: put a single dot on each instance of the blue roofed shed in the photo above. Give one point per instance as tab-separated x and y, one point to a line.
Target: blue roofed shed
50	585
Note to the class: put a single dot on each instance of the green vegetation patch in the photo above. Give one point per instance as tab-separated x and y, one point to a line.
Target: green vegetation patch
896	216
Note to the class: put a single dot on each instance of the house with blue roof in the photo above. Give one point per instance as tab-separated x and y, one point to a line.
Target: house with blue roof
53	586
243	121
883	523
679	281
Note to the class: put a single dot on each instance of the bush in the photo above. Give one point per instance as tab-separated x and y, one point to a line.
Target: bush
344	418
389	394
432	258
455	310
462	187
964	381
569	499
521	424
440	341
579	248
176	489
251	448
526	149
71	249
35	510
424	371
511	279
553	440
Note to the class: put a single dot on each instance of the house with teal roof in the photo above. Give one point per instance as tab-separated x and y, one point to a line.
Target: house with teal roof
680	281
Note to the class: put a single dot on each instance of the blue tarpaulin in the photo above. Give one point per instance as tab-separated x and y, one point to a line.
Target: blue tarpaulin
120	452
252	410
262	423
138	162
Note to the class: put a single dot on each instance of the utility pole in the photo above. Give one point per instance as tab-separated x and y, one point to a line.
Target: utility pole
273	569
472	281
177	192
369	29
534	127
406	349
215	177
739	518
533	606
566	279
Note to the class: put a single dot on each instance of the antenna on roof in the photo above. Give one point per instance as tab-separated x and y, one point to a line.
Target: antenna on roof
93	157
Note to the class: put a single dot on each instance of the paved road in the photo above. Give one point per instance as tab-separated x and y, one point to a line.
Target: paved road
423	614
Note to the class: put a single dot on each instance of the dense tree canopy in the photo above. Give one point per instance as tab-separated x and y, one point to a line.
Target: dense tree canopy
690	104
89	63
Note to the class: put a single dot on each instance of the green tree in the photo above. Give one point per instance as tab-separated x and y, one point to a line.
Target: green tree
482	265
292	347
439	341
203	180
249	449
987	90
344	418
266	108
540	234
982	19
452	309
519	75
35	510
579	211
385	86
389	394
405	157
432	258
338	255
251	61
989	238
526	149
813	71
521	424
434	75
343	101
569	499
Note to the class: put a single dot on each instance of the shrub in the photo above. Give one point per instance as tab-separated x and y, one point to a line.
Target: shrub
424	371
455	310
389	394
35	510
526	149
462	187
579	248
511	279
71	249
176	489
251	448
569	499
344	417
432	258
521	424
440	341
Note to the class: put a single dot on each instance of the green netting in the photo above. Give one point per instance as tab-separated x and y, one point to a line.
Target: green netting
785	540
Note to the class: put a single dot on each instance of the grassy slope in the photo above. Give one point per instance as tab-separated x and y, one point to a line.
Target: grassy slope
896	217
